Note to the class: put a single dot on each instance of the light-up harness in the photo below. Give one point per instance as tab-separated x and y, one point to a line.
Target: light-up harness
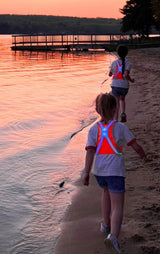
118	74
105	134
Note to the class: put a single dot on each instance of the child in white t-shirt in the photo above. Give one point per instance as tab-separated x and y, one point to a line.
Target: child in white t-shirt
120	72
105	141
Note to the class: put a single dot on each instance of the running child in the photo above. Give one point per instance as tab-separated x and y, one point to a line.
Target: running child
105	141
119	71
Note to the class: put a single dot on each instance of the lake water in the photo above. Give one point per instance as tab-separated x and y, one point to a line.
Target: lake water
46	106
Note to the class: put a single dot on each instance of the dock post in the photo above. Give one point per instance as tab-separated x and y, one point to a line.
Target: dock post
52	40
15	42
46	39
62	39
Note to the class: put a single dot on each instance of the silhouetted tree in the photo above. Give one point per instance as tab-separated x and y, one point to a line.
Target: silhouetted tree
138	17
156	12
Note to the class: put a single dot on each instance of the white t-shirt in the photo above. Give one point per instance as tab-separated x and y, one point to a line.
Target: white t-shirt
110	164
123	83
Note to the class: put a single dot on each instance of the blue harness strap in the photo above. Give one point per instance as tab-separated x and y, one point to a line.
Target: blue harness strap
119	70
104	134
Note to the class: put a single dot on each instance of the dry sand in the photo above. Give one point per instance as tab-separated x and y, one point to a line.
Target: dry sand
140	233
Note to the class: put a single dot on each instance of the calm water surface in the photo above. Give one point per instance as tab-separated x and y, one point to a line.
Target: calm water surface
46	106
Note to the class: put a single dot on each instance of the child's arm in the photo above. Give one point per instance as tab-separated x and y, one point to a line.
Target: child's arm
128	77
110	74
88	165
139	150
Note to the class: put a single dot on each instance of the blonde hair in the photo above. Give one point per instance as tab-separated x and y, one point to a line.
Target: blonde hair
105	103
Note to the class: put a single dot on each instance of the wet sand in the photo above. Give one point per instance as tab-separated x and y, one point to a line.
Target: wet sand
140	232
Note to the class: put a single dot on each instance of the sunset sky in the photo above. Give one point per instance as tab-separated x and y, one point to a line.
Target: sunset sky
75	8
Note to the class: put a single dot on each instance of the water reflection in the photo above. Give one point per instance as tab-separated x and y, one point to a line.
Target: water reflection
52	54
46	98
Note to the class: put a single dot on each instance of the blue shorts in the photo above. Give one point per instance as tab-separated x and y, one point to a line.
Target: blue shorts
114	184
118	91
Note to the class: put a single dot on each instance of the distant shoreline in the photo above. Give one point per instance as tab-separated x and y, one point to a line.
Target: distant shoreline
29	24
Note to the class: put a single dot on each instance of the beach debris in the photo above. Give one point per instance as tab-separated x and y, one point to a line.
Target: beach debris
61	184
83	127
104	81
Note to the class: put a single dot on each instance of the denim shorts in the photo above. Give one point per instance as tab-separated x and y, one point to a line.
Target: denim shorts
114	184
118	91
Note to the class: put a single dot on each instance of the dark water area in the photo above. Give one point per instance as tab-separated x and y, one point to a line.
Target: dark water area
47	104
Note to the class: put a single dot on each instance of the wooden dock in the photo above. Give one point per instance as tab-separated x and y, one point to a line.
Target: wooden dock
68	42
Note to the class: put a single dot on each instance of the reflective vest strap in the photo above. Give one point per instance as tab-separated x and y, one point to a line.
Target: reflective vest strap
115	146
100	136
111	136
108	126
118	74
105	138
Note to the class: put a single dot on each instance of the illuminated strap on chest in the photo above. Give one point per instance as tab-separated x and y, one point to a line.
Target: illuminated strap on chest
109	148
118	74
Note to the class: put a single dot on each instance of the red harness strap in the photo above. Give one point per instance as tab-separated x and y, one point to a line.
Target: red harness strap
105	142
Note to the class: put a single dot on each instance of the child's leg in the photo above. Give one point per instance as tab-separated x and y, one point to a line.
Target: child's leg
117	108
106	207
117	204
122	103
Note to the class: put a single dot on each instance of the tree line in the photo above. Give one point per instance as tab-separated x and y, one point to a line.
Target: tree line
139	16
41	24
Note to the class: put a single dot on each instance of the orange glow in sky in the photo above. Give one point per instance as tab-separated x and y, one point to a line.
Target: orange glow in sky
74	8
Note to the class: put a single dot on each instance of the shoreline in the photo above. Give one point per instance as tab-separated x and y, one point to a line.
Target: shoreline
140	231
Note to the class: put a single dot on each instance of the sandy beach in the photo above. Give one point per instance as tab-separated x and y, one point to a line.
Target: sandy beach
140	232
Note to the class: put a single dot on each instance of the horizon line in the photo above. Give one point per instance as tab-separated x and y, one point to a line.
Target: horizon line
48	15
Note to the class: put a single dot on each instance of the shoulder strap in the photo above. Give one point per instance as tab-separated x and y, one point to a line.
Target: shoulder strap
104	133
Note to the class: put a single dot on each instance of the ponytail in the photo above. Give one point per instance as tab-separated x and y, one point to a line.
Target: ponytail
122	51
123	64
